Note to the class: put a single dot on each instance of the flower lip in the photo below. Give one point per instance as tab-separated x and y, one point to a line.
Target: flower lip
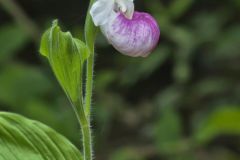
135	37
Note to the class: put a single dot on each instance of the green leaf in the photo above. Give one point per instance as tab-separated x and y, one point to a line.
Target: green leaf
21	138
224	121
66	56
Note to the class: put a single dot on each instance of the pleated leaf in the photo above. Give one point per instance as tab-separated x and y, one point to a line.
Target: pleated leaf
66	56
25	139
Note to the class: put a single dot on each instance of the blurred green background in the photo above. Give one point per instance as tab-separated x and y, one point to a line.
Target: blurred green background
180	103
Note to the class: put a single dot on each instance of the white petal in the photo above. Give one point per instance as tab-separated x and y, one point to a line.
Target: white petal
101	10
126	7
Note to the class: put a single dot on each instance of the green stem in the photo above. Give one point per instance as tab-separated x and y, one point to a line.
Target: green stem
21	18
87	141
89	84
85	128
90	35
83	113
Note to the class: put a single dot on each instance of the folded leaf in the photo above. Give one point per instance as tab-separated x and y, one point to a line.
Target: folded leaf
66	56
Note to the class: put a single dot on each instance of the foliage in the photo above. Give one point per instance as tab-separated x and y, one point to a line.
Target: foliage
66	56
22	138
181	102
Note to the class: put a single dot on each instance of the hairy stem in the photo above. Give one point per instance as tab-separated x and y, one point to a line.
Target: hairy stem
84	111
90	34
89	84
21	18
85	129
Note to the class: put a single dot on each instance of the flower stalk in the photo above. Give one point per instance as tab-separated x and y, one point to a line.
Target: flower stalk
85	129
90	35
84	113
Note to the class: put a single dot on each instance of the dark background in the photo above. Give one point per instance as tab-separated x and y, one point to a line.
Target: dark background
180	103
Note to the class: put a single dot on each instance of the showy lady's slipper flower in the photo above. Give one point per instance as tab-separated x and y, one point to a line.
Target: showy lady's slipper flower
131	33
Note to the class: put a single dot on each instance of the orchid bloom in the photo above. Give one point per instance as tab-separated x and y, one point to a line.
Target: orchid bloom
132	33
